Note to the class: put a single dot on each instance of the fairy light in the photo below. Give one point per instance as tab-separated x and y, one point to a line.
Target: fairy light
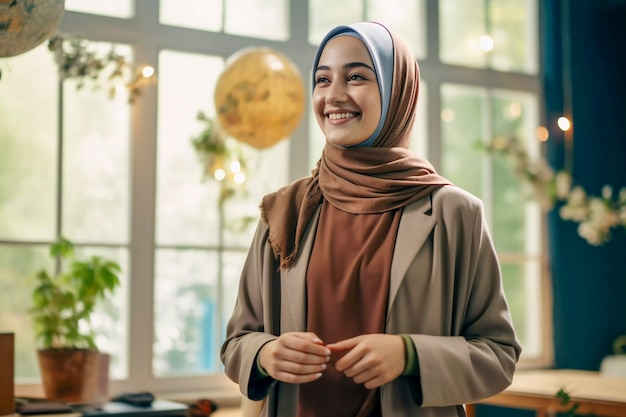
447	115
219	174
239	178
486	43
564	123
235	166
147	71
542	133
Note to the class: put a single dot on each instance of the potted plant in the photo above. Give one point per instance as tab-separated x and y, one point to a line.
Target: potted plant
72	368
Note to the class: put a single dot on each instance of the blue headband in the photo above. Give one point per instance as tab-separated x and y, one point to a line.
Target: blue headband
380	46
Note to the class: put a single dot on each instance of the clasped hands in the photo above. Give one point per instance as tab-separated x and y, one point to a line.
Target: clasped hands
301	357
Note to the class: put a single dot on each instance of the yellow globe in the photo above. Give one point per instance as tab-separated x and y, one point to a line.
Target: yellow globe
259	97
26	24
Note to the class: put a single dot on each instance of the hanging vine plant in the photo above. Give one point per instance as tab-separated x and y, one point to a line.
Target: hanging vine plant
77	60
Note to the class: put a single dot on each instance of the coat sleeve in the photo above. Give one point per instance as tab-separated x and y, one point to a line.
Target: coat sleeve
478	358
249	327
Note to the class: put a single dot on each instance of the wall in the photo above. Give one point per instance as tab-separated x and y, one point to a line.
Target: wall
586	54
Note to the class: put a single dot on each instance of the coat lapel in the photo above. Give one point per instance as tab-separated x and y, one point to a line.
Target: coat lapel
415	225
294	283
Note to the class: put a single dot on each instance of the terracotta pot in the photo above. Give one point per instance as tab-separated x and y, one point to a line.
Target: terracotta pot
75	376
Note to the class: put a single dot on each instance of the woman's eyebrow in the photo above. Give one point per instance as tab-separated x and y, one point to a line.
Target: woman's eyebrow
349	65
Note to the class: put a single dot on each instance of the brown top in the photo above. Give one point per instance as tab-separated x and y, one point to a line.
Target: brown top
347	290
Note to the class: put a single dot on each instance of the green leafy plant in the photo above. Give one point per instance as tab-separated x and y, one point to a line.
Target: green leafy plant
63	303
565	399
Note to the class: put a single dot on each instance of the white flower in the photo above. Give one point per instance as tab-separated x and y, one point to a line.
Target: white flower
599	208
590	233
577	196
575	213
597	216
563	184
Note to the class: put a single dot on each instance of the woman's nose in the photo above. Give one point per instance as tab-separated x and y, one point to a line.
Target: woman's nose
336	93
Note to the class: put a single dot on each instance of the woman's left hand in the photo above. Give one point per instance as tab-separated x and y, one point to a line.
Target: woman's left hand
371	359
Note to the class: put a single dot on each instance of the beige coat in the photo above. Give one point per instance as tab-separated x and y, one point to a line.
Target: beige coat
445	292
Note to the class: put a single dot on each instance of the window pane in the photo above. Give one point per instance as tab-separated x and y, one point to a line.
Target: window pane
265	19
510	24
17	266
186	206
185	312
523	290
462	118
29	146
514	115
193	14
461	24
514	29
96	145
326	14
406	17
194	298
114	8
266	171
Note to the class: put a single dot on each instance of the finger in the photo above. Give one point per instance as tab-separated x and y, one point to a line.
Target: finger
299	357
310	336
363	377
374	383
343	345
348	361
304	357
295	378
300	369
307	343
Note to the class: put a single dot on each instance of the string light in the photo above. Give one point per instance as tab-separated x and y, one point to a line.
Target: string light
564	123
486	43
542	133
219	174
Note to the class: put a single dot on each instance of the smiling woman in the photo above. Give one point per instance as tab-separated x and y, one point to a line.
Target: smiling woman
378	297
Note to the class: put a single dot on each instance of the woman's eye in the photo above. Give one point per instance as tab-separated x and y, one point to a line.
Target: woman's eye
320	80
355	77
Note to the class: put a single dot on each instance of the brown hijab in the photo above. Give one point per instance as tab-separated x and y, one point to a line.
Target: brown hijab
359	180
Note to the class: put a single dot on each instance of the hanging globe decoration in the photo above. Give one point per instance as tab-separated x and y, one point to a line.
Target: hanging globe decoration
259	97
25	24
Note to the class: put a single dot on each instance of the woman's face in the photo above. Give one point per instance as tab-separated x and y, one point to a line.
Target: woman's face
346	97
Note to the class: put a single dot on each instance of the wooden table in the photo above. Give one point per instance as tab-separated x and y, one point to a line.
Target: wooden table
536	390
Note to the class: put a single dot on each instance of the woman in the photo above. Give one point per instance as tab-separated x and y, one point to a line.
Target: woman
371	287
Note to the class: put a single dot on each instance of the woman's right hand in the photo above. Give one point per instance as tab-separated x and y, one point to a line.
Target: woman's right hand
296	357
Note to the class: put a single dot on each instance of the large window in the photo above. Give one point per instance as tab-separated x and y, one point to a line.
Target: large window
123	179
